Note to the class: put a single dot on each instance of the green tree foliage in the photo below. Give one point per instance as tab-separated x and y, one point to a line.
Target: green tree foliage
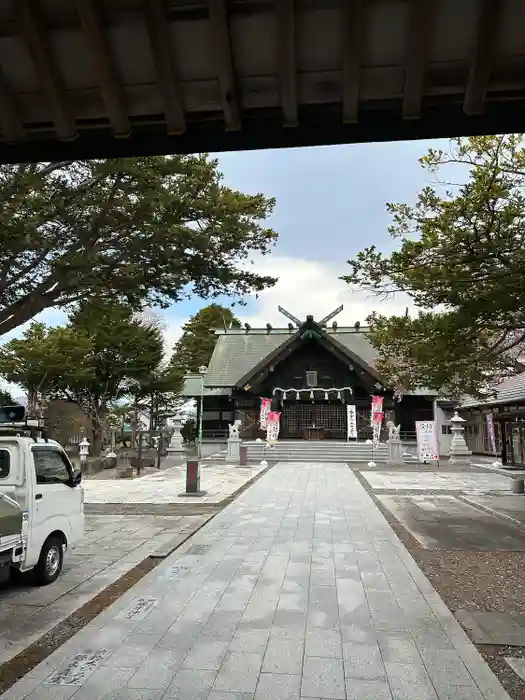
98	358
6	398
195	346
138	230
461	258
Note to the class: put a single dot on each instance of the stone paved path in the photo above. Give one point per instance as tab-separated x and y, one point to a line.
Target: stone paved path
163	487
299	589
112	546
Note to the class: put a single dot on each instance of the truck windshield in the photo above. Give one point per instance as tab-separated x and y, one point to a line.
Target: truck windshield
5	464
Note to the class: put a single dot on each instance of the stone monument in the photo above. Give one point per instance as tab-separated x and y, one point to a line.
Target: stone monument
233	454
395	451
459	452
176	443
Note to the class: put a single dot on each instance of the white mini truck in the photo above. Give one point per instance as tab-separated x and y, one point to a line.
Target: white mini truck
41	499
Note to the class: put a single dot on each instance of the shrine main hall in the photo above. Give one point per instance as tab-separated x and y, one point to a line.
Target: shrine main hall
310	369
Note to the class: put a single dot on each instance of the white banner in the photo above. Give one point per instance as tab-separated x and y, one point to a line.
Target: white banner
273	422
427	441
266	407
351	422
378	421
377	407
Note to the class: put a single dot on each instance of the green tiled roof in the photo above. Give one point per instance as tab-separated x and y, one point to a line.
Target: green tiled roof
508	391
237	352
192	388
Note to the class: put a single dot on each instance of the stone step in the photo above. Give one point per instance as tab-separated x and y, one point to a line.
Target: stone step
316	451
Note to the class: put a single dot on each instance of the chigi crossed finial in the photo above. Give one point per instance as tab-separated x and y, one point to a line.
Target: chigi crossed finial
298	323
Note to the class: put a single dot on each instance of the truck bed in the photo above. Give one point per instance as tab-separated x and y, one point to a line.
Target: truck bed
10	542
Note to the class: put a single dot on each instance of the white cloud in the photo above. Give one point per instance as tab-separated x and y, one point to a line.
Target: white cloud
310	287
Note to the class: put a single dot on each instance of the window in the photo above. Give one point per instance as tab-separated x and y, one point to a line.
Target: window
51	466
311	378
446	429
5	464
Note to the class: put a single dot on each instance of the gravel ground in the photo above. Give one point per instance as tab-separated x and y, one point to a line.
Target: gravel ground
491	581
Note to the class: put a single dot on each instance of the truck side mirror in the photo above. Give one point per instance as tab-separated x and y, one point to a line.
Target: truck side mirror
76	478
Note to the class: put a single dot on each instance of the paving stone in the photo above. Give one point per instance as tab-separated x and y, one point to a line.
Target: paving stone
190	685
445	667
52	692
323	678
284	655
246	641
459	692
363	661
324	643
357	689
446	522
207	654
517	664
272	686
493	627
239	673
402	690
229	696
400	649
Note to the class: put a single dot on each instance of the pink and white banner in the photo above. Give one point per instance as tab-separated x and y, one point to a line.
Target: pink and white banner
378	421
490	430
427	441
266	405
377	407
273	423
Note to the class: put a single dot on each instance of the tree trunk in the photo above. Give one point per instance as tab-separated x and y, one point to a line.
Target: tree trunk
97	437
152	413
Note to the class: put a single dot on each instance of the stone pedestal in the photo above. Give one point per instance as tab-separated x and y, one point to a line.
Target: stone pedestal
233	454
395	451
459	452
176	443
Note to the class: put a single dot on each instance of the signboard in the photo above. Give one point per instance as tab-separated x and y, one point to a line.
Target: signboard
490	430
427	441
266	405
378	420
377	407
351	422
273	423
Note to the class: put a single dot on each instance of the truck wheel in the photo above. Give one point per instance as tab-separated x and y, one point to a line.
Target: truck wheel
5	574
50	562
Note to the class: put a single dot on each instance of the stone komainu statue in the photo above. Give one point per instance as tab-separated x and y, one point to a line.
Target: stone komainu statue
234	429
393	430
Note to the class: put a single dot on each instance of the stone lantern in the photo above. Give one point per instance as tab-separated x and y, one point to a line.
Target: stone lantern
177	442
459	452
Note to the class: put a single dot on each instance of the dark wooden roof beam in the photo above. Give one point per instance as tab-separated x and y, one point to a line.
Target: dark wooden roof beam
46	68
107	74
351	42
222	46
419	30
487	29
10	123
287	60
164	60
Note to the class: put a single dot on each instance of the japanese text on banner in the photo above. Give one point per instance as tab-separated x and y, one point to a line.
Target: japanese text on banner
377	407
351	422
490	430
378	421
266	405
272	426
427	441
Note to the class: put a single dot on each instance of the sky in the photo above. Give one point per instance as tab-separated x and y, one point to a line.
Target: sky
330	203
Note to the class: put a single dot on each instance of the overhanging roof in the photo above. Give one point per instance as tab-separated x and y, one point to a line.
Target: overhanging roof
100	78
237	351
193	388
510	390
